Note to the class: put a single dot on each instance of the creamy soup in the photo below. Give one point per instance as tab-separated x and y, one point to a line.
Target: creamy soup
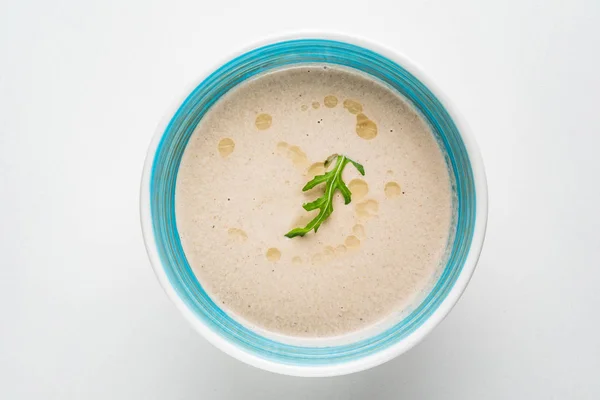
239	191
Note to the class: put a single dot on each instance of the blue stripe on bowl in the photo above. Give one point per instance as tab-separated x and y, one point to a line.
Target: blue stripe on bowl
176	136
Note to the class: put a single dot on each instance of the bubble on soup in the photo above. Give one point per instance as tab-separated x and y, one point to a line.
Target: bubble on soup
304	107
273	254
365	128
317	258
353	106
315	105
359	188
263	121
226	147
330	101
392	189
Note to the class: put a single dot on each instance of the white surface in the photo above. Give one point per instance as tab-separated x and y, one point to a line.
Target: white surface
82	88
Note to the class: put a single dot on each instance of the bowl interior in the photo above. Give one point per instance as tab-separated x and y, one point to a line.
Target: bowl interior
170	149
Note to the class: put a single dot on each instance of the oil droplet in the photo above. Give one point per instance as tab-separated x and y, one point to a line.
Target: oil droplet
352	242
329	251
304	107
359	188
273	254
237	234
294	153
390	172
282	146
330	101
297	260
367	209
341	249
297	156
359	231
365	128
354	107
317	258
226	147
315	105
316	169
263	121
392	189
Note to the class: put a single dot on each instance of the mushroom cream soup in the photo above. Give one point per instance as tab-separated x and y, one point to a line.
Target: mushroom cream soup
239	191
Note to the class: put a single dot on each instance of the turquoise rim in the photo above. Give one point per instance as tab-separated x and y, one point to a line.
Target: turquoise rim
175	138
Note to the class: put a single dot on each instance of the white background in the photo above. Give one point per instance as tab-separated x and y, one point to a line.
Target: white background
82	87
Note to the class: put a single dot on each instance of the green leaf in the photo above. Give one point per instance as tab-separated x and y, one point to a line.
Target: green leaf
359	167
333	180
313	205
345	192
315	181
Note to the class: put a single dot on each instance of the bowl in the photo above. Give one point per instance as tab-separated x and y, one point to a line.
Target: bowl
303	358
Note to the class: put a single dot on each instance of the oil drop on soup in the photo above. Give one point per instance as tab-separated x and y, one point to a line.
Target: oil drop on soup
239	190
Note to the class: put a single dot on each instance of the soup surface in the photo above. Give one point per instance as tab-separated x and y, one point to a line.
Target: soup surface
239	191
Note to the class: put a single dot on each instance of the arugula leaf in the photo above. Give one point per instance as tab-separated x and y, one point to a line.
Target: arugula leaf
333	180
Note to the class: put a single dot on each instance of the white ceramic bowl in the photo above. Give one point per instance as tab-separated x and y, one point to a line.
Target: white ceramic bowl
268	351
